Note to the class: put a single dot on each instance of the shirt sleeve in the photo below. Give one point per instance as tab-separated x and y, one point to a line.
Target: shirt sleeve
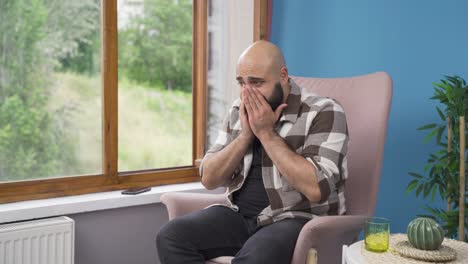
223	138
325	146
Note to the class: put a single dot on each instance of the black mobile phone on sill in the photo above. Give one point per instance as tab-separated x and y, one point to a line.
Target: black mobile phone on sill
133	191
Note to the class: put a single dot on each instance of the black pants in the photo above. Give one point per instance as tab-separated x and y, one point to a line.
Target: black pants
219	231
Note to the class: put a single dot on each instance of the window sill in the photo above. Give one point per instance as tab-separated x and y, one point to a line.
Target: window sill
26	210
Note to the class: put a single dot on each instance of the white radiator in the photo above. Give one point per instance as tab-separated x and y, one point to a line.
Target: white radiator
45	241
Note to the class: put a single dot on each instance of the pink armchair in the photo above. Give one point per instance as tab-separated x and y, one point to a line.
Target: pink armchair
366	100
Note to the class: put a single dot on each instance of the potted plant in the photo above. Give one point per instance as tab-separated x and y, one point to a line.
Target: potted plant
445	169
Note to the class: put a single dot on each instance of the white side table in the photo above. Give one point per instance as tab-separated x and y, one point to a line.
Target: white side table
352	253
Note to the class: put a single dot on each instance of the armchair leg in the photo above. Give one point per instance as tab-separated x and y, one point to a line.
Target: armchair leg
312	256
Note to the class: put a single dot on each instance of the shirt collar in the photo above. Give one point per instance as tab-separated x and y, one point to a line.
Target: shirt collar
291	112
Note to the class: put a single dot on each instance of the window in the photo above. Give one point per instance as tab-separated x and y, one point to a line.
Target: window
85	108
79	115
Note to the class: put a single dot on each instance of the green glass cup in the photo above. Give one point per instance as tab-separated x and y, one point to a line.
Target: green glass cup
377	234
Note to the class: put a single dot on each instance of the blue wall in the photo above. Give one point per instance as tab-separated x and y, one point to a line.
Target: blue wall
416	42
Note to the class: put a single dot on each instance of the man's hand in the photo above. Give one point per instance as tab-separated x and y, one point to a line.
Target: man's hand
246	132
219	167
261	117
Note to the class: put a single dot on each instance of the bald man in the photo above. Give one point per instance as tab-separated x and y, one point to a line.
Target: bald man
281	153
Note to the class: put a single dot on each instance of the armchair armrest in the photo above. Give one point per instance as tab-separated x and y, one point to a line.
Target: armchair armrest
327	234
179	203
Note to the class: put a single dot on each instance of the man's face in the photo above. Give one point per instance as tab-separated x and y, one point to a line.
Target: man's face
277	97
259	78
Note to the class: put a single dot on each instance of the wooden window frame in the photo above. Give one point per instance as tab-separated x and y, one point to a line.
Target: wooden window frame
260	19
111	179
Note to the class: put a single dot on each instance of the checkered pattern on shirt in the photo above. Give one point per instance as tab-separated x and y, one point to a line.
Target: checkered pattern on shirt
315	128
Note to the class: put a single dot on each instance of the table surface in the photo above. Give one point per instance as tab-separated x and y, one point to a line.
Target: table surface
354	254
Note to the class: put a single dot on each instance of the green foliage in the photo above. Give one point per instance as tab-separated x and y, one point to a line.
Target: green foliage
86	60
31	143
441	173
452	92
450	220
156	48
80	49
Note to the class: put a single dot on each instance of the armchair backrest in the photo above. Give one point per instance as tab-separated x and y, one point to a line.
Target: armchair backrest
366	100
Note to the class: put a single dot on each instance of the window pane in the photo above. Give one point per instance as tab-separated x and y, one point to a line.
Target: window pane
50	89
218	71
155	84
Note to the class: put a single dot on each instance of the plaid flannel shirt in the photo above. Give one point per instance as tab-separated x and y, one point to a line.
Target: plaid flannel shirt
314	127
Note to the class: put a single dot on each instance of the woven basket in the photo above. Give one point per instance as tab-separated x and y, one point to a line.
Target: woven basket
451	252
443	254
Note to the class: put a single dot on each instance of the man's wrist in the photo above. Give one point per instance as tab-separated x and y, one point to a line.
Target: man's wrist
244	139
266	136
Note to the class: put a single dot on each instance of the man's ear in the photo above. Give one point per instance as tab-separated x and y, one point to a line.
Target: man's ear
284	76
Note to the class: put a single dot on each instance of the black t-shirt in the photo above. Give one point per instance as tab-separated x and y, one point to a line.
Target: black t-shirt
252	198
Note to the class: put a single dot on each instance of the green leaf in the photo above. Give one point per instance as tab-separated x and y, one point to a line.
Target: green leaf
441	115
441	193
429	126
420	188
437	212
419	176
455	80
439	133
427	189
431	135
411	185
442	85
427	167
434	188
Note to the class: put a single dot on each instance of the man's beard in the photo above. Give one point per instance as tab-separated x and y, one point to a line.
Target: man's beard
276	98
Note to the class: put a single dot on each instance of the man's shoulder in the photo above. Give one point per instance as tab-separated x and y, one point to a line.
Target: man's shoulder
233	111
236	103
232	116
